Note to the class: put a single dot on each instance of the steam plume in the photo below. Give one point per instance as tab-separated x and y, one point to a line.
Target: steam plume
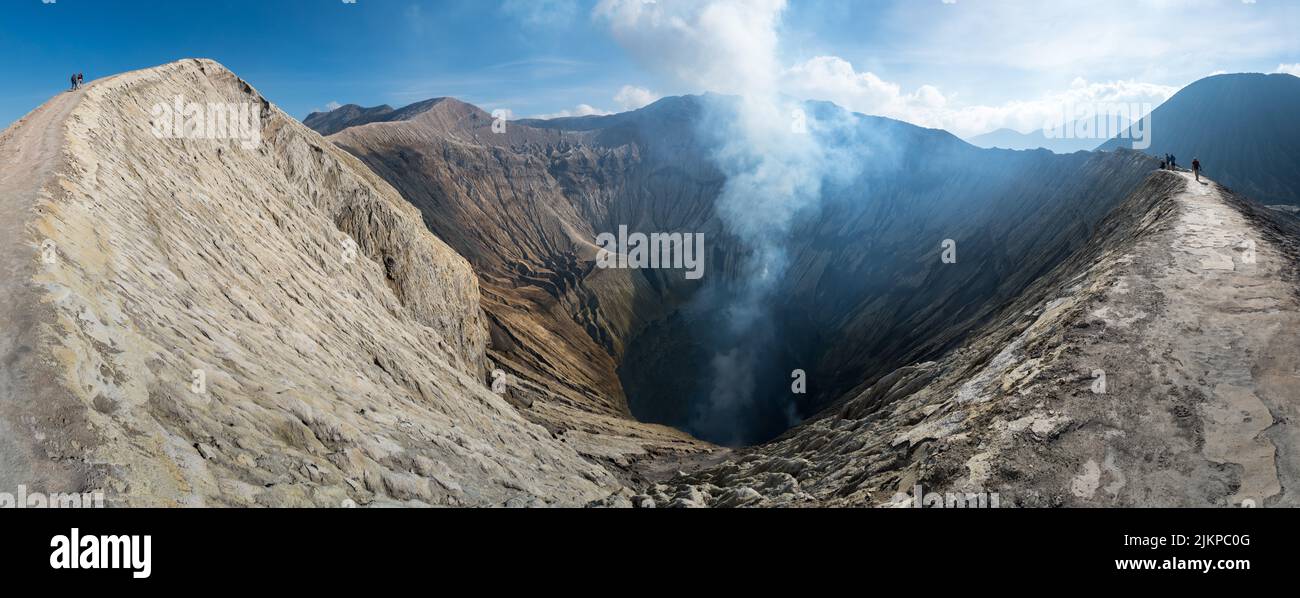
775	156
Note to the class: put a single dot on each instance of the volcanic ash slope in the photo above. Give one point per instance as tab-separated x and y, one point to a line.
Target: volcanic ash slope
1158	366
193	322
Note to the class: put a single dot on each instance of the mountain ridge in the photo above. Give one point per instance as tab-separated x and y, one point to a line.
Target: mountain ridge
1038	139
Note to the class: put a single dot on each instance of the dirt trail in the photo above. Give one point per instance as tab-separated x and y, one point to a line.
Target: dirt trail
32	151
1199	339
1233	324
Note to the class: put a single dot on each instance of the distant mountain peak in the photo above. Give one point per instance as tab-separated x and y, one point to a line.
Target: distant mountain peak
1011	139
444	112
1243	128
348	115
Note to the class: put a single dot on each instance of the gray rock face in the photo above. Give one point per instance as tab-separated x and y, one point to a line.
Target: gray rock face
208	323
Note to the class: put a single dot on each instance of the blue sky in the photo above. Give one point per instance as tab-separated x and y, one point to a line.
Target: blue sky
968	65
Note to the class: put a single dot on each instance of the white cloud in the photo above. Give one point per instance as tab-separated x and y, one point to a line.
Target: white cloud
834	79
732	46
1290	69
1048	109
580	110
631	97
332	106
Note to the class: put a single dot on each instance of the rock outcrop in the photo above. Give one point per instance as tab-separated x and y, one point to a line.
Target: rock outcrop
209	320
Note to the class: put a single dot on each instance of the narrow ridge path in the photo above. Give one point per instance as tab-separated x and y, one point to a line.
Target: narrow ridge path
31	151
1241	325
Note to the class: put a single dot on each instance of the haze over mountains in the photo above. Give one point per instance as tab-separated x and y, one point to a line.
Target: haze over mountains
1040	139
323	319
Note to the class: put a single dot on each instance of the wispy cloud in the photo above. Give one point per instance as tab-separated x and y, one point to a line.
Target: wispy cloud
579	110
541	13
1104	36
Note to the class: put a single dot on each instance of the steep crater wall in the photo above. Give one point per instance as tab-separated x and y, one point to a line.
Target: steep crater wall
865	294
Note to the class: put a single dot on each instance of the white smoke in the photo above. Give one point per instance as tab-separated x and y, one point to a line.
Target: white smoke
769	147
726	46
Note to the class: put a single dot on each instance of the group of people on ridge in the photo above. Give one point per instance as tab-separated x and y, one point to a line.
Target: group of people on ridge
1171	163
77	79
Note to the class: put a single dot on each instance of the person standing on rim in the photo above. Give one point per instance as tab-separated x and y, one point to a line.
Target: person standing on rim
74	82
1196	168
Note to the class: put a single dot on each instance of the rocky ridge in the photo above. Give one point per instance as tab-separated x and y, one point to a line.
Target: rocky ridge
196	322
